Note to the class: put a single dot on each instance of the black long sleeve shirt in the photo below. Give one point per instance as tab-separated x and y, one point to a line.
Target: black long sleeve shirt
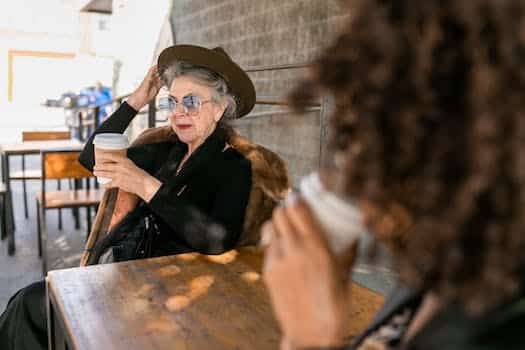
202	207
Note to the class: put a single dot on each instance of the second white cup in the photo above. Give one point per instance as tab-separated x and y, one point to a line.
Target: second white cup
341	220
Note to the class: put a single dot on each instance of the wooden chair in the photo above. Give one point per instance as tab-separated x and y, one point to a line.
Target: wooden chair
36	174
63	164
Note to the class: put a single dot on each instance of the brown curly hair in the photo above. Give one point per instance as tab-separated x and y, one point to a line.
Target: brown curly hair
430	122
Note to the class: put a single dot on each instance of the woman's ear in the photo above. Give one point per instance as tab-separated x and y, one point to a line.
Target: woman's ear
219	111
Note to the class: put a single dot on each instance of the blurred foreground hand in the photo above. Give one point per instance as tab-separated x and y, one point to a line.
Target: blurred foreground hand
308	286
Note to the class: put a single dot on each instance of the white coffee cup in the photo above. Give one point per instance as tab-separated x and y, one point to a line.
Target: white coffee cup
340	219
112	143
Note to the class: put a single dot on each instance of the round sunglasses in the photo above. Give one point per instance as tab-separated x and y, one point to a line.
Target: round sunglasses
190	104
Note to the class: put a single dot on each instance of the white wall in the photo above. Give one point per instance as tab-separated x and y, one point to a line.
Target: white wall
135	28
131	37
41	33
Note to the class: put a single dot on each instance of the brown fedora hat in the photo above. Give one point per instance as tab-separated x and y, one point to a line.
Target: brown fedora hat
218	61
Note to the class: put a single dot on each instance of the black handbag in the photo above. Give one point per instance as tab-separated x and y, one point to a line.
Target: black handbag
144	248
130	240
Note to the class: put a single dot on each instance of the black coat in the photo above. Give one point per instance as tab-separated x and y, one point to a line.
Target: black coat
200	209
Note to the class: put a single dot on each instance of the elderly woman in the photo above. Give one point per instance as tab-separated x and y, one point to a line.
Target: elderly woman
429	137
192	193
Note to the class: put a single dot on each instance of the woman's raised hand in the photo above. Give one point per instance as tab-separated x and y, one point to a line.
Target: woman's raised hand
307	286
147	90
125	175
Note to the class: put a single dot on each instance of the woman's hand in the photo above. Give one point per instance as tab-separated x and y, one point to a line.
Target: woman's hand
125	175
147	90
307	287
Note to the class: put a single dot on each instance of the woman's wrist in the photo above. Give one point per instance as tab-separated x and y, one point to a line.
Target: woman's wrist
136	101
150	187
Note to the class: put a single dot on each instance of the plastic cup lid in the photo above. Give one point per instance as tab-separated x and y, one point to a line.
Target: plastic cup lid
111	140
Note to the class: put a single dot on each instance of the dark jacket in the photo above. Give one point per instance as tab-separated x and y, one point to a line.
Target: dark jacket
452	329
200	209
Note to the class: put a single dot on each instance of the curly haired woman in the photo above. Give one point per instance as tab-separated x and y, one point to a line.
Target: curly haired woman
428	137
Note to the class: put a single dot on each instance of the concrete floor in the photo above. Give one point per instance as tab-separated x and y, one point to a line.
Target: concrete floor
64	247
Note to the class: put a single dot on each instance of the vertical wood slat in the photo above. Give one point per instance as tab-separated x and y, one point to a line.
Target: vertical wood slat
327	108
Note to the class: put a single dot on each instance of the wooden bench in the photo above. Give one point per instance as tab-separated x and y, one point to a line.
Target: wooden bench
187	301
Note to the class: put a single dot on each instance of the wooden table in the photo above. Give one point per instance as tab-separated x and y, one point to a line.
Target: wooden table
187	301
26	148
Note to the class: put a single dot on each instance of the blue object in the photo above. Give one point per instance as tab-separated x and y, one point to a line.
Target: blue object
92	96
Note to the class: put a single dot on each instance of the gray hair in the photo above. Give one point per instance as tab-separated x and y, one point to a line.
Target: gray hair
220	90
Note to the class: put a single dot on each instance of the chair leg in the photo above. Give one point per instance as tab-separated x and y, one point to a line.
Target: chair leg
38	229
9	198
3	218
76	217
60	219
10	224
24	190
88	213
24	186
59	187
43	237
76	210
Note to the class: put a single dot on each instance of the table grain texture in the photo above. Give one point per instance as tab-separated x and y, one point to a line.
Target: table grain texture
188	301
